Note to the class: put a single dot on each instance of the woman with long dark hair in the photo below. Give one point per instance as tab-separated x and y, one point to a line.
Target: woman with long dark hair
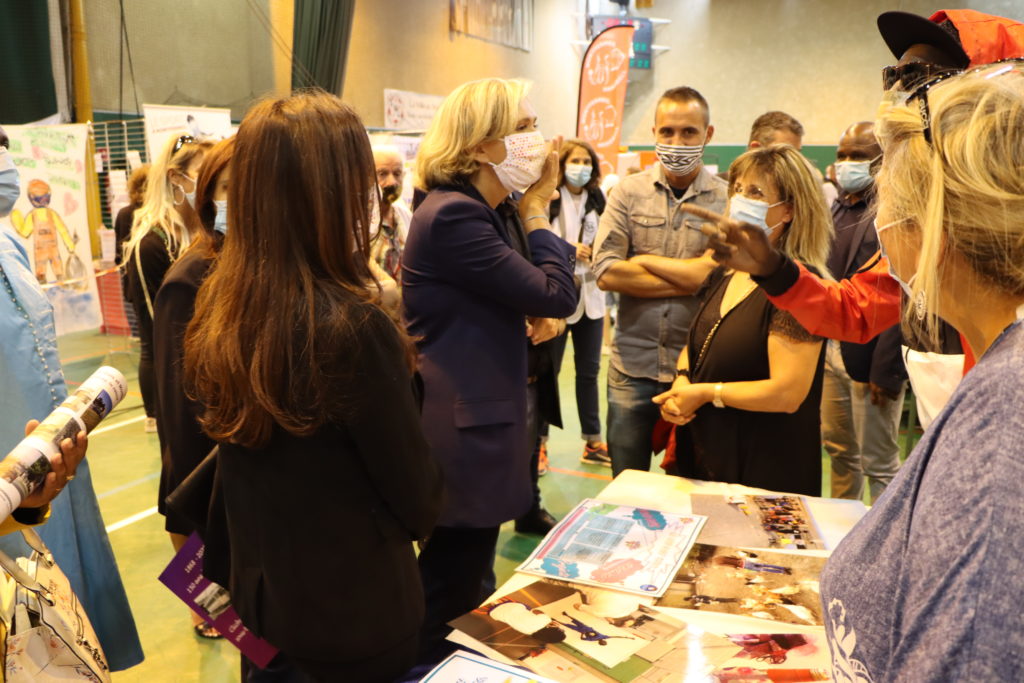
307	388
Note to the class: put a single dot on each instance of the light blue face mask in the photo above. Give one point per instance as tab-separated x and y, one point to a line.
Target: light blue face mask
220	223
753	211
578	175
854	176
10	183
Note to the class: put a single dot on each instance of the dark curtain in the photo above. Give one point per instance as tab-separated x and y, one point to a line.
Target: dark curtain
320	43
27	91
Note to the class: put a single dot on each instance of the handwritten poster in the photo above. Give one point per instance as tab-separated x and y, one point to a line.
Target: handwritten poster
51	219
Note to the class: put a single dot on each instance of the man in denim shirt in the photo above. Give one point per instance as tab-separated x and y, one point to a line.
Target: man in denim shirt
652	255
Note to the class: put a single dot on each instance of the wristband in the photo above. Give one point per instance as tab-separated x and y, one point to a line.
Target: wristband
530	218
683	372
717	399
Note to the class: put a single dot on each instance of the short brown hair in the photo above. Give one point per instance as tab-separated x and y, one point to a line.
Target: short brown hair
137	185
771	121
685	94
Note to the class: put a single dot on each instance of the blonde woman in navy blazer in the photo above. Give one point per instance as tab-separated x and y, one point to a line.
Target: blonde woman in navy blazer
468	296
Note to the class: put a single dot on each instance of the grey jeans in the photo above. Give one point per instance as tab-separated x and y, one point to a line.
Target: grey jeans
860	437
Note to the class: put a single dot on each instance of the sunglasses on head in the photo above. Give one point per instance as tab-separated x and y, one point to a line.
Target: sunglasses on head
912	74
921	92
181	142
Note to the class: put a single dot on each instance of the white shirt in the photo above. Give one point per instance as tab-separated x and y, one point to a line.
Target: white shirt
577	229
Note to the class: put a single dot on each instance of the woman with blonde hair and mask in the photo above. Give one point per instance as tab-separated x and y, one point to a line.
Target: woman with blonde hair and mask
161	230
480	273
927	586
748	388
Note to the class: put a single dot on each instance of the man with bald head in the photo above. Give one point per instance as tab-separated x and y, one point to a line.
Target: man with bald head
395	216
862	397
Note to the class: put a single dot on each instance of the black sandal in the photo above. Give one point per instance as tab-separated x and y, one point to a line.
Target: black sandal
208	631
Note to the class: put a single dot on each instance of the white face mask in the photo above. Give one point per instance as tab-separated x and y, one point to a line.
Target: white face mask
220	222
525	154
919	304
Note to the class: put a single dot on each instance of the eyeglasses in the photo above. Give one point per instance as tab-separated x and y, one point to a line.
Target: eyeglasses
921	93
181	142
912	74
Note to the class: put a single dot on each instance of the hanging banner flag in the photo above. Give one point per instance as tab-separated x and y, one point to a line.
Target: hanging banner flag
603	80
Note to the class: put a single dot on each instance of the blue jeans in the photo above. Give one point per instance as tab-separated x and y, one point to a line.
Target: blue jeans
631	419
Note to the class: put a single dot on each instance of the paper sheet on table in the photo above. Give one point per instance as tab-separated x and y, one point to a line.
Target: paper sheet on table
462	667
623	547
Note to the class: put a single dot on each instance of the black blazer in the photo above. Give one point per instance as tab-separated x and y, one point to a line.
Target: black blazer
467	293
321	528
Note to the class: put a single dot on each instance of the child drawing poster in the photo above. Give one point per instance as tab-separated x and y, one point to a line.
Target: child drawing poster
626	548
51	219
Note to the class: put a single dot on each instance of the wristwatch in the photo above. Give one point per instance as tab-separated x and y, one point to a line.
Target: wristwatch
717	399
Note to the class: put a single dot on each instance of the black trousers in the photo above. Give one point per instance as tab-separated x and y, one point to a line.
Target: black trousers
454	564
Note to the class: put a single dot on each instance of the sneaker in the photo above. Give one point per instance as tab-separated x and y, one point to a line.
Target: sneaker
542	460
150	425
596	455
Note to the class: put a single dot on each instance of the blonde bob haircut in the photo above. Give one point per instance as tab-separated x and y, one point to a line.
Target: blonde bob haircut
963	192
808	237
475	112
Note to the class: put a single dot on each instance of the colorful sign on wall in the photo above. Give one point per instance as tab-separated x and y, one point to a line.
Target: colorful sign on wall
51	219
603	80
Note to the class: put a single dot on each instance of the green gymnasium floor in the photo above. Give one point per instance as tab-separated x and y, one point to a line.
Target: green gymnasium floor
125	465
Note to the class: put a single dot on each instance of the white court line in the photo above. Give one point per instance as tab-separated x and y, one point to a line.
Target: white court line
108	428
111	528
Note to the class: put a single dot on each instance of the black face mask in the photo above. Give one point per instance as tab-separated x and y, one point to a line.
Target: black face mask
390	193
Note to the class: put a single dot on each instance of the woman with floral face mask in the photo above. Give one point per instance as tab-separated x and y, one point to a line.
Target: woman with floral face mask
161	229
748	390
476	267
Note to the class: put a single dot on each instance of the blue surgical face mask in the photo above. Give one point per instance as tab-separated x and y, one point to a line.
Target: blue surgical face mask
220	223
752	211
578	175
854	176
10	183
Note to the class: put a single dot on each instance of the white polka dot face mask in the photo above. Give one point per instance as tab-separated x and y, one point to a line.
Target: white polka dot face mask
525	154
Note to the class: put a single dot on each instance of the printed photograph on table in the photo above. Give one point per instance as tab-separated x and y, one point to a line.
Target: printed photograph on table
795	651
584	634
780	587
769	521
623	547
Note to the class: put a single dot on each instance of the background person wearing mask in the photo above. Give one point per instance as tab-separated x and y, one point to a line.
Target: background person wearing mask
161	230
468	294
748	391
182	442
862	400
574	217
656	300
